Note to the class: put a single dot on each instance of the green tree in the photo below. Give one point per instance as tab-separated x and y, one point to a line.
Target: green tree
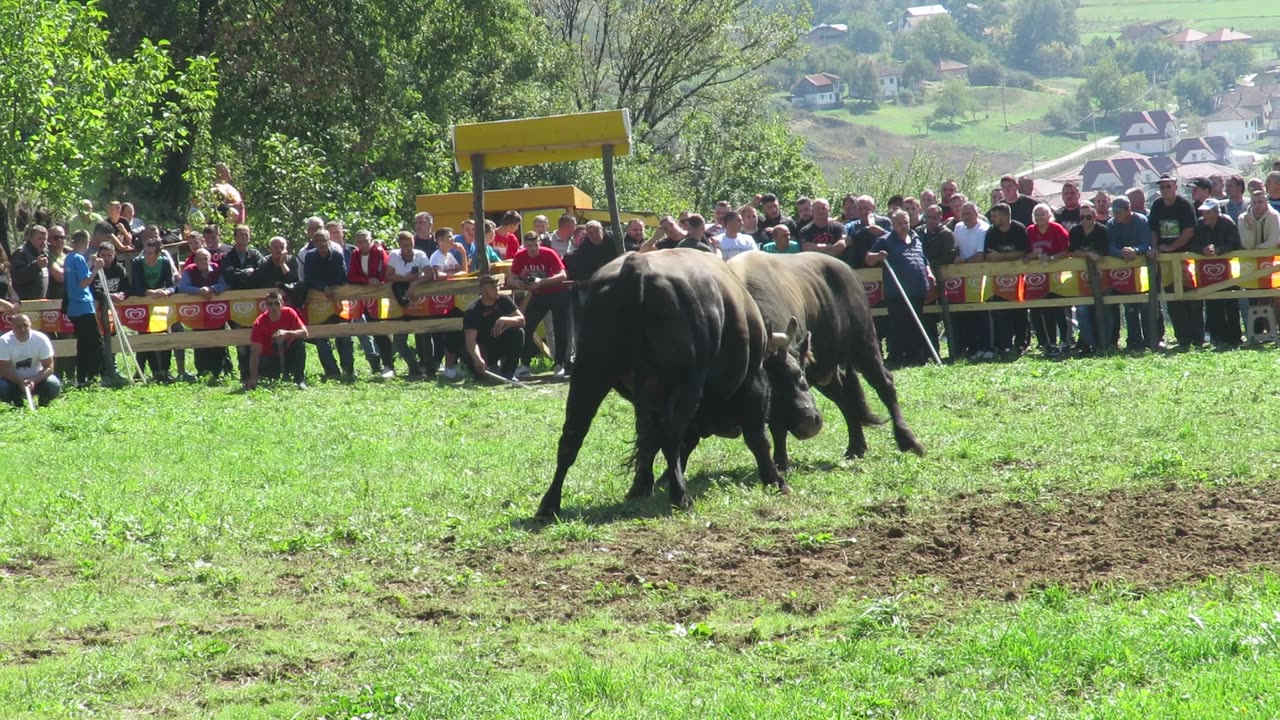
924	170
865	35
954	101
1110	88
1195	90
1230	62
75	115
664	58
937	39
1035	24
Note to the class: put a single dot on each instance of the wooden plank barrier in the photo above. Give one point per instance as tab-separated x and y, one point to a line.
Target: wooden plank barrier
150	319
970	287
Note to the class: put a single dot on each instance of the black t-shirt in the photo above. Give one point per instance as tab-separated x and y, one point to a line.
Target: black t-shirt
766	224
666	243
694	243
427	245
1095	241
1020	209
830	234
1067	218
855	252
482	318
1167	221
1012	240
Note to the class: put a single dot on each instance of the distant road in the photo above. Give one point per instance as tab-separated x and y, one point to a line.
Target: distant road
1042	168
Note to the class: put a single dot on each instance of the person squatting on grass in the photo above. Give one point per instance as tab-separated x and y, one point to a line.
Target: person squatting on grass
276	344
26	364
493	329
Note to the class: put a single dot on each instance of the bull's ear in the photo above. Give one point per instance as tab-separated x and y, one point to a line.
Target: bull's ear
793	328
805	356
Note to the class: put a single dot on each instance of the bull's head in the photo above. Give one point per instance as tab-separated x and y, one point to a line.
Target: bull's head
791	404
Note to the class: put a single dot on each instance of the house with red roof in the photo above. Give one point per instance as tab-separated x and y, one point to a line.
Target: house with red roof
1150	132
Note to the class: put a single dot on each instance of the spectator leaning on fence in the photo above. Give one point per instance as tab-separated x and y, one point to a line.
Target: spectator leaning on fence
57	263
1259	223
325	270
26	364
1089	239
540	271
276	344
1216	235
29	264
903	253
368	266
1129	237
407	268
153	276
1173	225
781	243
203	278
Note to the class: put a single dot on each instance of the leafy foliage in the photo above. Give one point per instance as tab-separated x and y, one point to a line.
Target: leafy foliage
76	115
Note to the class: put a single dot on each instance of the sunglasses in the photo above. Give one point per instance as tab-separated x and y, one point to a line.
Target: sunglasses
273	303
1087	217
1164	186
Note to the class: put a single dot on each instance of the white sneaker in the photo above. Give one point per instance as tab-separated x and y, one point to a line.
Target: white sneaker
451	373
523	371
388	373
557	371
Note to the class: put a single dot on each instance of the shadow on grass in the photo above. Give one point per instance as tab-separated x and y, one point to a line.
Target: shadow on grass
656	506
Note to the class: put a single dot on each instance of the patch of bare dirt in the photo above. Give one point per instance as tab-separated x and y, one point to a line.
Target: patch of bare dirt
1153	539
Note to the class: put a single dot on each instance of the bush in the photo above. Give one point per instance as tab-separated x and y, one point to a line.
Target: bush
985	73
1020	79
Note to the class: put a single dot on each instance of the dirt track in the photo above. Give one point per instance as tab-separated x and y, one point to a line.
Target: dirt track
1154	539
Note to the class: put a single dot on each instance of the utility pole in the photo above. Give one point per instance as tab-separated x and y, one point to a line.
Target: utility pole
1004	111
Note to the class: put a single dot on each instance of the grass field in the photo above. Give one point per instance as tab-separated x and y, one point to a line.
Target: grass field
982	133
1244	15
1094	538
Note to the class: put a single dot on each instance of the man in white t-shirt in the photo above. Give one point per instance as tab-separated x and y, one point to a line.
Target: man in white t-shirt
734	241
448	259
26	363
406	268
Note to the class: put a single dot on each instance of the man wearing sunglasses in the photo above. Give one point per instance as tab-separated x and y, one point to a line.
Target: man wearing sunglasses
275	344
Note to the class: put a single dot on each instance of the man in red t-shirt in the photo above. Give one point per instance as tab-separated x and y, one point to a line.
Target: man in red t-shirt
540	270
276	344
506	238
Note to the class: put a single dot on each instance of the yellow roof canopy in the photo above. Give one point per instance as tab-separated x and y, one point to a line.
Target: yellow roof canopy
534	141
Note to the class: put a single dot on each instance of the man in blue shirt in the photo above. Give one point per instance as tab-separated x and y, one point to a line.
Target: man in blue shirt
903	252
324	270
78	274
1129	237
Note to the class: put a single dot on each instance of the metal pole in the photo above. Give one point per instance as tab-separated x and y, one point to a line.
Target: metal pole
903	295
1153	302
611	196
124	337
31	401
477	212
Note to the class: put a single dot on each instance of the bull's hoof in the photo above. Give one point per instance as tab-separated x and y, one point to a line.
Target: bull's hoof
682	503
783	464
639	492
783	488
907	442
547	512
855	453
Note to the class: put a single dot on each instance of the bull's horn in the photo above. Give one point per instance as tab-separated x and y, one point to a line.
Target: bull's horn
777	341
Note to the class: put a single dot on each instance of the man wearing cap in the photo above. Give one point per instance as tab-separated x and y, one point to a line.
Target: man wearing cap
1128	237
1217	236
275	344
1173	225
26	364
1259	223
1201	190
493	330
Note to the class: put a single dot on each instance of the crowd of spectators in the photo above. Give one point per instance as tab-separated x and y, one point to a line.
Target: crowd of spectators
914	235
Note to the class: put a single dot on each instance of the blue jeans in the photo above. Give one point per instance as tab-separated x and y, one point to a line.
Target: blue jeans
45	391
1087	319
346	355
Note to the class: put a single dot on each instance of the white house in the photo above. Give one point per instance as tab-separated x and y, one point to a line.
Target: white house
888	79
828	34
1123	170
1150	132
1211	149
1239	125
817	92
916	15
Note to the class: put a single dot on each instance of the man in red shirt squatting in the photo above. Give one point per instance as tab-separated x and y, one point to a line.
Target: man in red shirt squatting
275	344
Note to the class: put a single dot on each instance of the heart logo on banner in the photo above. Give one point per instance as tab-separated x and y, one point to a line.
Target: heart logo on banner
1214	270
870	287
189	311
50	316
217	309
1037	279
243	307
135	313
1122	275
441	299
1007	282
954	283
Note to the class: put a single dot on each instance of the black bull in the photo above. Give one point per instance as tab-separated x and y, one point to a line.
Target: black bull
827	297
676	333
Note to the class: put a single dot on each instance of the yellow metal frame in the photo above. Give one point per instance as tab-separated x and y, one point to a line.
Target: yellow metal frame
536	141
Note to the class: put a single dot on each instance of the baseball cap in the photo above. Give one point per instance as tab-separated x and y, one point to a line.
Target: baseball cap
488	280
1210	204
1120	203
1202	183
1168	176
